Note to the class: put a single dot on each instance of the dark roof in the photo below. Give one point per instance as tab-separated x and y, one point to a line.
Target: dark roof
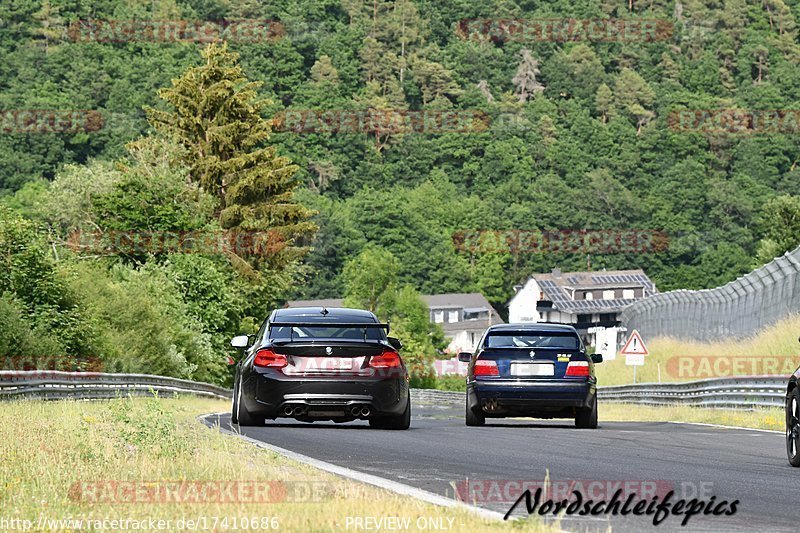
335	314
473	301
557	286
463	299
534	326
325	302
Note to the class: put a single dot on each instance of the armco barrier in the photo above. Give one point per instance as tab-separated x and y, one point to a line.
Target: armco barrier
56	385
741	392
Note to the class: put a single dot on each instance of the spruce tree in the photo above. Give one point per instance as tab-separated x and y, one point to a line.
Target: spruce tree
216	116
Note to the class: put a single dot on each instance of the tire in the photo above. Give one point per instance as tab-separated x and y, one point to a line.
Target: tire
472	418
235	404
401	421
793	427
587	418
242	415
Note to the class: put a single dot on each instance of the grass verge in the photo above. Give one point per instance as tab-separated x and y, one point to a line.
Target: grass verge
676	360
150	459
757	419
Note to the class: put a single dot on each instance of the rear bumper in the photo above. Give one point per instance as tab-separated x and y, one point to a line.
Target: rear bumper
542	397
268	394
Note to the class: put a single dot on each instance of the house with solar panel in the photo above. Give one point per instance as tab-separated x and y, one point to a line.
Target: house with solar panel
587	300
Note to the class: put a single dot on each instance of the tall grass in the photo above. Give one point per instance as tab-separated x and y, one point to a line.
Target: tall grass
780	340
48	448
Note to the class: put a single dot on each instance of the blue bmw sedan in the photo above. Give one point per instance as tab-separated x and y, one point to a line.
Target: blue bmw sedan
531	370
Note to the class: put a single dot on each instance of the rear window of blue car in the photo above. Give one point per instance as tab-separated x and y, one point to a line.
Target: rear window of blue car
530	339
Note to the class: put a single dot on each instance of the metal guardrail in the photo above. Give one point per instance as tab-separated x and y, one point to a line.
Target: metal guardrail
57	385
740	392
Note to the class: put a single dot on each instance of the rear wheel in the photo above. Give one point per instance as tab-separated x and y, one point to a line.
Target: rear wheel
235	404
793	427
241	415
473	418
587	418
402	421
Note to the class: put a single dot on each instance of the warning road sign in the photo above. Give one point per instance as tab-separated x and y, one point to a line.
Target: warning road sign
635	345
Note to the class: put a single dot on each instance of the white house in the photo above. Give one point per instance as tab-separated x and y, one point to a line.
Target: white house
586	300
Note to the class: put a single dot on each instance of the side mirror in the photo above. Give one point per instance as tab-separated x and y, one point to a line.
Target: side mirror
395	342
597	358
240	341
465	357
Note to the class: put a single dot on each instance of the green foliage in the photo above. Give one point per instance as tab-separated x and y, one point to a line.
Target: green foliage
578	136
36	298
371	282
370	279
217	120
780	226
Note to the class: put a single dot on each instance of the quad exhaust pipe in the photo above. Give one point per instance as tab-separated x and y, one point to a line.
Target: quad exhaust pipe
356	411
294	410
360	411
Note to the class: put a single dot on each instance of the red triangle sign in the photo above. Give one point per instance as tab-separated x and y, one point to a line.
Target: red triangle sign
635	345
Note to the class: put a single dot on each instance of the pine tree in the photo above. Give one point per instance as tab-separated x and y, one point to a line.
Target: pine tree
216	117
51	24
604	102
525	79
761	53
483	87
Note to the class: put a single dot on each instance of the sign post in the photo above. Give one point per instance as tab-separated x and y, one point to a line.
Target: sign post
634	352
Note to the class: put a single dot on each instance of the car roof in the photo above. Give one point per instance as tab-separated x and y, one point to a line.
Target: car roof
332	314
542	327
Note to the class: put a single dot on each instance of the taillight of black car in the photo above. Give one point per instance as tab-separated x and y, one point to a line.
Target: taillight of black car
386	364
268	359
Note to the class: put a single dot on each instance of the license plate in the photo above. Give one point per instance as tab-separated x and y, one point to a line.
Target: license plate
337	363
532	369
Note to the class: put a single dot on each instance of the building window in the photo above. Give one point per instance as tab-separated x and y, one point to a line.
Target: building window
438	316
628	294
452	316
589	296
608	295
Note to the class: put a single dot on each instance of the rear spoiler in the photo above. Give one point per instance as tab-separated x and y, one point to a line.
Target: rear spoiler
365	325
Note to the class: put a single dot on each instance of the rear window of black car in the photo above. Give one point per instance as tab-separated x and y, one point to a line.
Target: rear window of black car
531	339
328	331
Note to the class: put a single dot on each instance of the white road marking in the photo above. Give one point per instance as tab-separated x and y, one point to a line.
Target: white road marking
730	427
393	486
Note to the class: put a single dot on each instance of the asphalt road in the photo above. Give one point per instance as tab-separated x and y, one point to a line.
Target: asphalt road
439	454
